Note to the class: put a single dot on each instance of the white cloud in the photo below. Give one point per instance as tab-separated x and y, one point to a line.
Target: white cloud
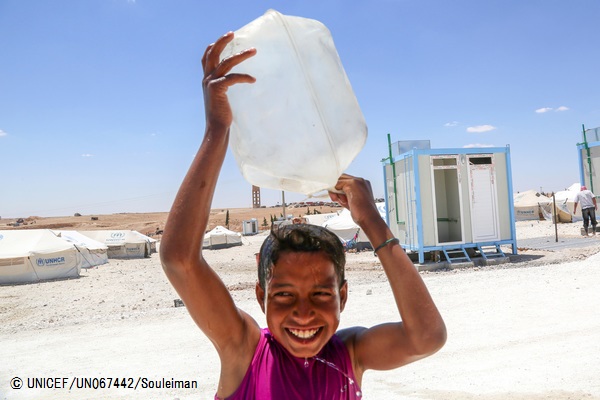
87	155
449	124
472	145
2	133
480	128
547	109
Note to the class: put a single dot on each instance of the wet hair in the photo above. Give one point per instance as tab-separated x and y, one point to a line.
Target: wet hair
304	238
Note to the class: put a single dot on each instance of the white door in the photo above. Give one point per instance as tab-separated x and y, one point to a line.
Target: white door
483	199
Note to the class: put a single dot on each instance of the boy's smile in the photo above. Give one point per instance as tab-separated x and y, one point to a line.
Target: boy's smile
303	301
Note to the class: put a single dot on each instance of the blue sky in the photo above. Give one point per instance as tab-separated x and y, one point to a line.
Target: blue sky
101	101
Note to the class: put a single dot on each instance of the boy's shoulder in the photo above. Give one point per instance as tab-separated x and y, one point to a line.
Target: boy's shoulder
349	337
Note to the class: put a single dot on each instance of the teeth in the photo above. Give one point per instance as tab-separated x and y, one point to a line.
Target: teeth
304	334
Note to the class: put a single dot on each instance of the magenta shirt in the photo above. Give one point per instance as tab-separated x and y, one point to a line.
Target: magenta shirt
275	374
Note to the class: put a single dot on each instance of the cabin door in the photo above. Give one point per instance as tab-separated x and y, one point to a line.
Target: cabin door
483	198
448	207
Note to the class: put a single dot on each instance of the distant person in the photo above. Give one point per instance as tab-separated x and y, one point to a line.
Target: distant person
588	208
301	286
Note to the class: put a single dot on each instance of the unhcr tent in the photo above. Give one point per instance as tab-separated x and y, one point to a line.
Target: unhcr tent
530	204
346	229
147	239
319	219
34	255
123	243
220	238
92	252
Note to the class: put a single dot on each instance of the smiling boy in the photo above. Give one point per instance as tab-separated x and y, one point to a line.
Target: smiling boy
301	286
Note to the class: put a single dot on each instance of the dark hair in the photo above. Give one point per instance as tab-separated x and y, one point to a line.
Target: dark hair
301	238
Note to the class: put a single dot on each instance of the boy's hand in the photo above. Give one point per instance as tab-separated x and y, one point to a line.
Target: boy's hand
357	197
217	80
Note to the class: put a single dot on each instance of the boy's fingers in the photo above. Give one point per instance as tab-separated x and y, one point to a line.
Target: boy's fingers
205	55
240	78
228	63
213	53
232	79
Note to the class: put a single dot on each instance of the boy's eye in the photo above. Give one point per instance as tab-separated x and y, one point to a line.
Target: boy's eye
323	294
283	294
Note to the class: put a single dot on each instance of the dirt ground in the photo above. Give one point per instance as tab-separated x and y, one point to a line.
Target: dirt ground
527	329
151	222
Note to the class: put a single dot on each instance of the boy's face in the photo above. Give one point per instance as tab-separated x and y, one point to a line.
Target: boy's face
303	302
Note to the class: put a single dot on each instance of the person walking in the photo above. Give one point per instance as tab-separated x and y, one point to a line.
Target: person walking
588	208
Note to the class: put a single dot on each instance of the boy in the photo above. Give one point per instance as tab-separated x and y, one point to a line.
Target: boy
301	287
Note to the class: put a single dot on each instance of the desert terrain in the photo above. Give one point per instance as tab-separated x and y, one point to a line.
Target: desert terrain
152	222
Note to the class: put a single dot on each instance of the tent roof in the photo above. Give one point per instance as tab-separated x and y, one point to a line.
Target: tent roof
80	240
23	243
341	221
344	219
117	237
221	230
569	194
530	198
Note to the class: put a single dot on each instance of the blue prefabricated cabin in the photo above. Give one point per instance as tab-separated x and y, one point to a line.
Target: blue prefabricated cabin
450	200
589	160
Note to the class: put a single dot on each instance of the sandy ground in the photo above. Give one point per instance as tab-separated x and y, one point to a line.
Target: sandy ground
528	329
151	222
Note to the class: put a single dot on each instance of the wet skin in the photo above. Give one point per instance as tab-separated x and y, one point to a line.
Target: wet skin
303	302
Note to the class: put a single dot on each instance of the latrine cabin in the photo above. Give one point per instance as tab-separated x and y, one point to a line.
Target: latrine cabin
589	160
451	202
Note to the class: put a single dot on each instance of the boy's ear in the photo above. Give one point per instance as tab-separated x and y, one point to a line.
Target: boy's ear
343	295
260	296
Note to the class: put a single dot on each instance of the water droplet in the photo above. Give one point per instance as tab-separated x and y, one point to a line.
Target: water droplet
350	380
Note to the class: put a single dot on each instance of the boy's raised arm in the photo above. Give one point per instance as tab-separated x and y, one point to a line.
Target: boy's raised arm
422	331
204	294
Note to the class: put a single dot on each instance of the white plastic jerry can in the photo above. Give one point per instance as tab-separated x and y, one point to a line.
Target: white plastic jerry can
299	126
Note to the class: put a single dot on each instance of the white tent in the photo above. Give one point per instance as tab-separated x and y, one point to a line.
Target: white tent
220	238
565	199
34	255
530	204
147	239
92	252
319	219
123	243
346	229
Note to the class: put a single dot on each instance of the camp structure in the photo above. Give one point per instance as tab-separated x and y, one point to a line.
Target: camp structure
92	252
531	205
35	255
123	243
589	160
250	226
565	203
347	230
455	202
221	238
319	219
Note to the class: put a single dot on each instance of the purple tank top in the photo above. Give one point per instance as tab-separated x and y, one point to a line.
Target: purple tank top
275	374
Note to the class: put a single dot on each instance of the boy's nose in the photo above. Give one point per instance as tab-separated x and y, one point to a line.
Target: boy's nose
303	310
